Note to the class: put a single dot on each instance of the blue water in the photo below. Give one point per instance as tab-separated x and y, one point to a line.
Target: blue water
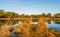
53	26
14	35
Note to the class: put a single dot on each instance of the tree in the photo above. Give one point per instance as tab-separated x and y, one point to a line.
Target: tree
49	15
22	15
43	15
11	15
2	13
57	15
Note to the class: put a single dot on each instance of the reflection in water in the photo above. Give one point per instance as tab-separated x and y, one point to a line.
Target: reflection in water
51	24
35	23
15	35
54	26
57	21
15	25
12	34
49	21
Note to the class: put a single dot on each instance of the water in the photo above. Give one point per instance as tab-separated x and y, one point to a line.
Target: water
35	23
15	35
52	25
16	25
12	33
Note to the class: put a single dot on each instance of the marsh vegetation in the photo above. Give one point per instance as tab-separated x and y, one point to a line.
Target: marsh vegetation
27	28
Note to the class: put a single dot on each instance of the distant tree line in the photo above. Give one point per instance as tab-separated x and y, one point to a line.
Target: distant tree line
9	14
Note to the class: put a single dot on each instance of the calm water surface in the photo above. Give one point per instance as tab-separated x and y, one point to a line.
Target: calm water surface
52	25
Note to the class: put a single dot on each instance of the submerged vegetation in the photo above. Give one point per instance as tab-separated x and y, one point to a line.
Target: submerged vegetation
26	29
